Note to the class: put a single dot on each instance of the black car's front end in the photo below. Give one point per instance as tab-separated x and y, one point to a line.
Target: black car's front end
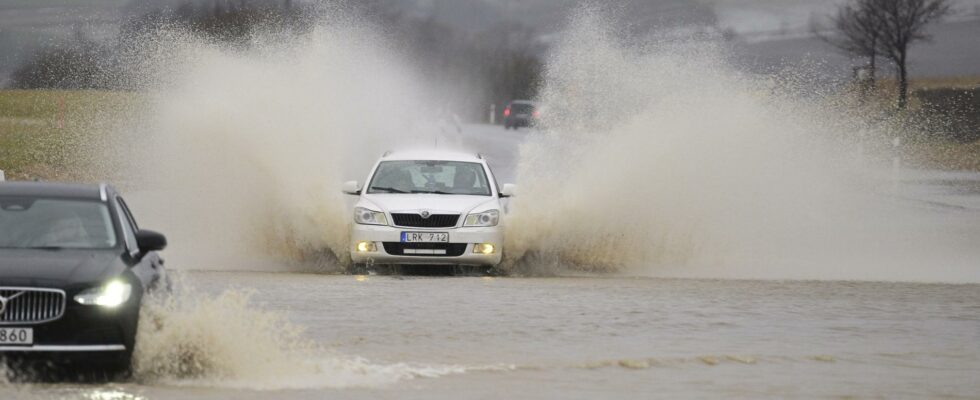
93	323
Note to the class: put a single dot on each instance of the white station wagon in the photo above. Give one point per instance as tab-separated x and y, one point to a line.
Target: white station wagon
428	208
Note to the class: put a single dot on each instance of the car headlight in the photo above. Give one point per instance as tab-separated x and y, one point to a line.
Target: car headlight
486	218
111	294
365	216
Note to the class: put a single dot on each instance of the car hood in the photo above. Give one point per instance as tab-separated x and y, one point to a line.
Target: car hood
434	203
57	268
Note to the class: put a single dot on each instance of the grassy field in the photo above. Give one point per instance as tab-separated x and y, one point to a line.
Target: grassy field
46	134
944	155
59	135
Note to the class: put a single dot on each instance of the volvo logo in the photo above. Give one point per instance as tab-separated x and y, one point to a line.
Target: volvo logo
425	214
5	300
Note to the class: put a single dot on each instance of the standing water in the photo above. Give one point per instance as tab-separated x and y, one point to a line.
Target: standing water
661	161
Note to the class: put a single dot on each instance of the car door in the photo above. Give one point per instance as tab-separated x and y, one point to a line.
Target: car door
148	267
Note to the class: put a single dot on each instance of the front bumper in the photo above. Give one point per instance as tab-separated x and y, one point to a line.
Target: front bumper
83	329
470	236
64	348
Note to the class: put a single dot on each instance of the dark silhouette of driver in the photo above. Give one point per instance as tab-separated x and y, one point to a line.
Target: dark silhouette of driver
464	180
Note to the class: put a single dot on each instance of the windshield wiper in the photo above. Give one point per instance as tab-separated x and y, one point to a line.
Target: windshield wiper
431	192
388	189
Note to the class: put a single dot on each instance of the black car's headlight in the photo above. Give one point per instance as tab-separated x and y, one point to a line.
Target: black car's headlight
111	294
366	216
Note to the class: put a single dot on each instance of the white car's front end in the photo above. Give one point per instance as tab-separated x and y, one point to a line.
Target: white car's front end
441	225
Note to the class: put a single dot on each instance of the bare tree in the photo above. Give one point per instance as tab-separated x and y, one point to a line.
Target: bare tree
855	30
901	23
885	27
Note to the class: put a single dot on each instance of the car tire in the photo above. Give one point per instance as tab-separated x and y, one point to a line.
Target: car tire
103	368
118	367
357	269
386	269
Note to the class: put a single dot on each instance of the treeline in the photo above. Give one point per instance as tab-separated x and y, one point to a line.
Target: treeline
477	69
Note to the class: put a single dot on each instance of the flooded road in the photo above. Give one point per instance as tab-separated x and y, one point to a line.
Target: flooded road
587	337
640	332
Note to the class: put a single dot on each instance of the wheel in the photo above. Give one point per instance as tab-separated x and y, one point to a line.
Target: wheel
357	269
385	269
119	366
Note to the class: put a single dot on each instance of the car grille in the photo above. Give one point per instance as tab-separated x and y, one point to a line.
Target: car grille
30	305
425	249
434	220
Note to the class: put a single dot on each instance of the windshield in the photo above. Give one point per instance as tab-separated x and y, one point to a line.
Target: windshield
521	108
30	222
438	177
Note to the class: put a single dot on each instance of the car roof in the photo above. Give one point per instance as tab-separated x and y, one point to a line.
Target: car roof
51	189
432	154
522	102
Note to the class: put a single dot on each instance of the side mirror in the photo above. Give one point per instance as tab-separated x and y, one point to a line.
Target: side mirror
351	187
150	241
509	190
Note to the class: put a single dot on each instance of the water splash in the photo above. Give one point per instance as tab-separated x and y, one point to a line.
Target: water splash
194	339
663	159
247	149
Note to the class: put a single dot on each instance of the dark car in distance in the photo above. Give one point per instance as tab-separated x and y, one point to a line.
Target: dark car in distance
520	113
74	268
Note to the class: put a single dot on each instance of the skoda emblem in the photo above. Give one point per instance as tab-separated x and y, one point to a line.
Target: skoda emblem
425	214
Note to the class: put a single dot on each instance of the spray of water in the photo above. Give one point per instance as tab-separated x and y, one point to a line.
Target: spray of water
662	159
246	150
193	339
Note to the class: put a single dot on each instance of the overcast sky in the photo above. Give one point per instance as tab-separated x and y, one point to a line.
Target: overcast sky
28	25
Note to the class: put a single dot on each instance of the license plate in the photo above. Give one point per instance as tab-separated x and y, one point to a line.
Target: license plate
16	336
425	237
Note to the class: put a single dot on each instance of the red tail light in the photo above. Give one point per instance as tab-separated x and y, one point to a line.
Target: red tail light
536	113
507	112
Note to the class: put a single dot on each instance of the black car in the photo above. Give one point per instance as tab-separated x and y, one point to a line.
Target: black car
520	113
74	267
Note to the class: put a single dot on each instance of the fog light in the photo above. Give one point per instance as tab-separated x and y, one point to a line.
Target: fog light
364	247
484	248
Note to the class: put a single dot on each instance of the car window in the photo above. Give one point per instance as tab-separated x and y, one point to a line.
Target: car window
521	108
425	176
32	222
